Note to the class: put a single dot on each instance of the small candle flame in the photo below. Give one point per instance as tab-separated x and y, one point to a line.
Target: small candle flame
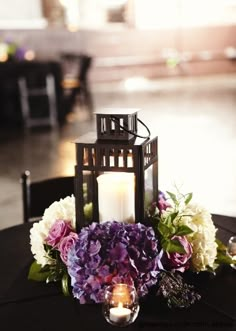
121	295
120	305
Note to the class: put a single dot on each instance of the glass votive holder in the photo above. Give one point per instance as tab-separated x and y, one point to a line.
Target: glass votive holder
231	249
120	305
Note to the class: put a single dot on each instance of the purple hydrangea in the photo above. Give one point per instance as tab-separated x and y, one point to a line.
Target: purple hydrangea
110	253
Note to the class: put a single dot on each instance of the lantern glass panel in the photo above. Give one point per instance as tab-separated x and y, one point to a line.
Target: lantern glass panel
150	186
88	196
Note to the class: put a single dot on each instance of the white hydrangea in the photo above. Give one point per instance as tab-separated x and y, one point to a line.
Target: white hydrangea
58	210
203	239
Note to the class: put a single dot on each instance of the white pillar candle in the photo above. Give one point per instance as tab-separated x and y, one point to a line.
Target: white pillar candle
120	314
116	197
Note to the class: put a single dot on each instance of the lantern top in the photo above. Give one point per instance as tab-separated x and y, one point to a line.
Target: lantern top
117	111
90	138
117	124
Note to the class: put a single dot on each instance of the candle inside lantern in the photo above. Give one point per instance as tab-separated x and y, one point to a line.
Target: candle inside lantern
116	197
120	314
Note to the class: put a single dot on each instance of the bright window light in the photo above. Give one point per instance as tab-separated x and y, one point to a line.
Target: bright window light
164	14
136	83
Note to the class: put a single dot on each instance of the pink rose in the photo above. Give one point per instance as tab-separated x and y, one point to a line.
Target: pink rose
180	261
65	245
59	230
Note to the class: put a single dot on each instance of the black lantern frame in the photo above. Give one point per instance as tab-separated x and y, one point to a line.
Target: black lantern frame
97	156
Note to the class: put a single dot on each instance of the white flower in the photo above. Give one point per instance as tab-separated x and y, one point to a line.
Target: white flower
203	239
58	210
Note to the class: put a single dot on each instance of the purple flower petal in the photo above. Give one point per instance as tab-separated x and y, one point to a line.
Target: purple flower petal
119	252
113	252
94	247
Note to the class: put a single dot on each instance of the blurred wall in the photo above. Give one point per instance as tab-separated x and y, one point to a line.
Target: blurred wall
125	52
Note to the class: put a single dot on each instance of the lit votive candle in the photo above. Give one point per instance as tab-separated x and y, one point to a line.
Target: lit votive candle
120	314
120	305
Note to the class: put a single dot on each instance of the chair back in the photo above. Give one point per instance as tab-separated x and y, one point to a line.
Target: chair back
39	195
38	92
75	69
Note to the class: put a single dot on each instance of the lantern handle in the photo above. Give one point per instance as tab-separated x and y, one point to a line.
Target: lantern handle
115	119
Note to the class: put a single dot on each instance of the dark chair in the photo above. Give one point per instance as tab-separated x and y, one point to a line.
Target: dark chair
75	68
29	92
47	93
37	196
38	95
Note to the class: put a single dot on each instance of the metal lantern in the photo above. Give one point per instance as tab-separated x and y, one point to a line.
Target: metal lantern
116	175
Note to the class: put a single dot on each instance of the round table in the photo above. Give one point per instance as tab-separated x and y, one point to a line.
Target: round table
28	305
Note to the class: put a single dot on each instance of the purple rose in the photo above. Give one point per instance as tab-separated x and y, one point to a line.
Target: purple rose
65	245
179	261
59	230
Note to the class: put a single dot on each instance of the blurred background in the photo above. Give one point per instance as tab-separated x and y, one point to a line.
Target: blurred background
175	60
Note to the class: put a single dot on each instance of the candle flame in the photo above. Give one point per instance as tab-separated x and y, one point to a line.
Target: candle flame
121	295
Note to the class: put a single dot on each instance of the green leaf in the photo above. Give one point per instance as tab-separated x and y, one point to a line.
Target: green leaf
164	243
53	276
222	256
183	230
188	198
224	259
173	197
167	220
172	230
166	230
173	216
38	273
163	229
173	246
64	285
220	246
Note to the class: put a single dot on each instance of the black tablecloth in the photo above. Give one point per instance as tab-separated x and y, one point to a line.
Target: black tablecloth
28	305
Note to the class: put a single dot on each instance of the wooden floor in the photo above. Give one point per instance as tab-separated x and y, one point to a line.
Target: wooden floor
194	119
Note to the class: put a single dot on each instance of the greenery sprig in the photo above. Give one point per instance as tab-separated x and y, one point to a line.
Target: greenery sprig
222	254
53	272
169	225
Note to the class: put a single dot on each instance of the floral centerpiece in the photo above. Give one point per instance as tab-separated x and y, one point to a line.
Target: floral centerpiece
179	235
